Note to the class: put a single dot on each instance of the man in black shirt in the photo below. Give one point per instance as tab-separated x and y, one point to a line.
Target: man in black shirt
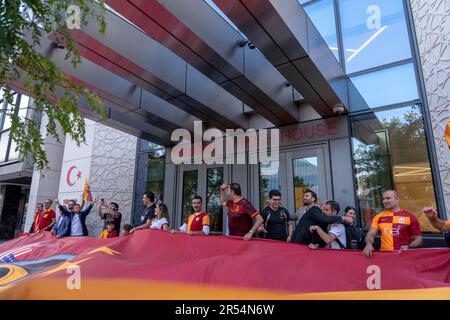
112	213
314	216
149	209
276	219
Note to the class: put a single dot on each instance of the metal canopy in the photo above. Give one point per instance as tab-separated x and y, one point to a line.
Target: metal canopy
195	32
170	77
127	106
288	39
180	61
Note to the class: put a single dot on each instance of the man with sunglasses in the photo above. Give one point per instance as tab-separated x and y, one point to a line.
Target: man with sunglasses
277	220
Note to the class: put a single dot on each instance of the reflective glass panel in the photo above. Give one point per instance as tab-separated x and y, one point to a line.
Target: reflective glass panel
13	154
190	189
374	33
306	176
213	206
155	170
23	107
7	120
4	138
390	152
321	14
269	178
386	87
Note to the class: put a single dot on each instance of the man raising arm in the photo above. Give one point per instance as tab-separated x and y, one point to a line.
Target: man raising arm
432	215
240	212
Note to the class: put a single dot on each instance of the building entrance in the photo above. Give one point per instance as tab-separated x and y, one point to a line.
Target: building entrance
297	170
204	181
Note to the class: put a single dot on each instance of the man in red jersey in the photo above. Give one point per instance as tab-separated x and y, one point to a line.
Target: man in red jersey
241	212
37	217
399	229
48	217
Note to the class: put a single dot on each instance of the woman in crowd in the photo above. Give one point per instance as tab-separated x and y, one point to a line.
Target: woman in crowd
160	221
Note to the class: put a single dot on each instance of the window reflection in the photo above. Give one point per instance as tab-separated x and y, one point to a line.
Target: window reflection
13	154
321	14
305	177
269	178
397	84
374	33
23	107
190	189
4	138
155	170
390	152
7	118
213	206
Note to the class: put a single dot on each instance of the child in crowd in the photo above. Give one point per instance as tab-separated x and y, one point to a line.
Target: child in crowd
109	232
126	229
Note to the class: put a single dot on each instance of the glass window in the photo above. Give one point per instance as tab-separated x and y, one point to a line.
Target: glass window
9	107
390	152
190	189
1	97
2	114
305	177
269	178
385	87
13	154
374	33
321	14
24	100
4	138
155	175
155	170
213	206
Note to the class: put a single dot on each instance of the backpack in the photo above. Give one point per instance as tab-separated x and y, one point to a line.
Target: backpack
355	237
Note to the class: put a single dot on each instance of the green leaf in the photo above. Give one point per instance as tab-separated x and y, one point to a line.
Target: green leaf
39	75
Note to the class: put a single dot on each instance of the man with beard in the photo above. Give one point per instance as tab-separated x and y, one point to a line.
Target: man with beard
314	216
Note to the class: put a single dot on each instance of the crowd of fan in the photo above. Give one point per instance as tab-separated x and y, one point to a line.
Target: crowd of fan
315	226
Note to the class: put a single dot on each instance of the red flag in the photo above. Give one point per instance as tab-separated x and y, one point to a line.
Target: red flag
217	267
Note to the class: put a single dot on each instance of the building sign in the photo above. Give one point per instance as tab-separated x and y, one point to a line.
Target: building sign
314	131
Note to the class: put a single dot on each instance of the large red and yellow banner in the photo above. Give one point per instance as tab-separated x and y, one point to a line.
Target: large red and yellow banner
153	264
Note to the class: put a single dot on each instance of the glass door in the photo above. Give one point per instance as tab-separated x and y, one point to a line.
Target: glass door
307	169
204	181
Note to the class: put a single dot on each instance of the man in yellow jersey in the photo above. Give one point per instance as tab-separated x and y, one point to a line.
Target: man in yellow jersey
399	229
198	222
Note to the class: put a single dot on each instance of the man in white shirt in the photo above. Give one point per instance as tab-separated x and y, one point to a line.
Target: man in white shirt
335	237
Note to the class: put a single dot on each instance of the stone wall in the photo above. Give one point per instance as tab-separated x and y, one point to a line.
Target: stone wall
107	161
112	172
432	26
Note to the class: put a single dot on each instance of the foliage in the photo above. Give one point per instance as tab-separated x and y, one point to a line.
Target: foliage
23	23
